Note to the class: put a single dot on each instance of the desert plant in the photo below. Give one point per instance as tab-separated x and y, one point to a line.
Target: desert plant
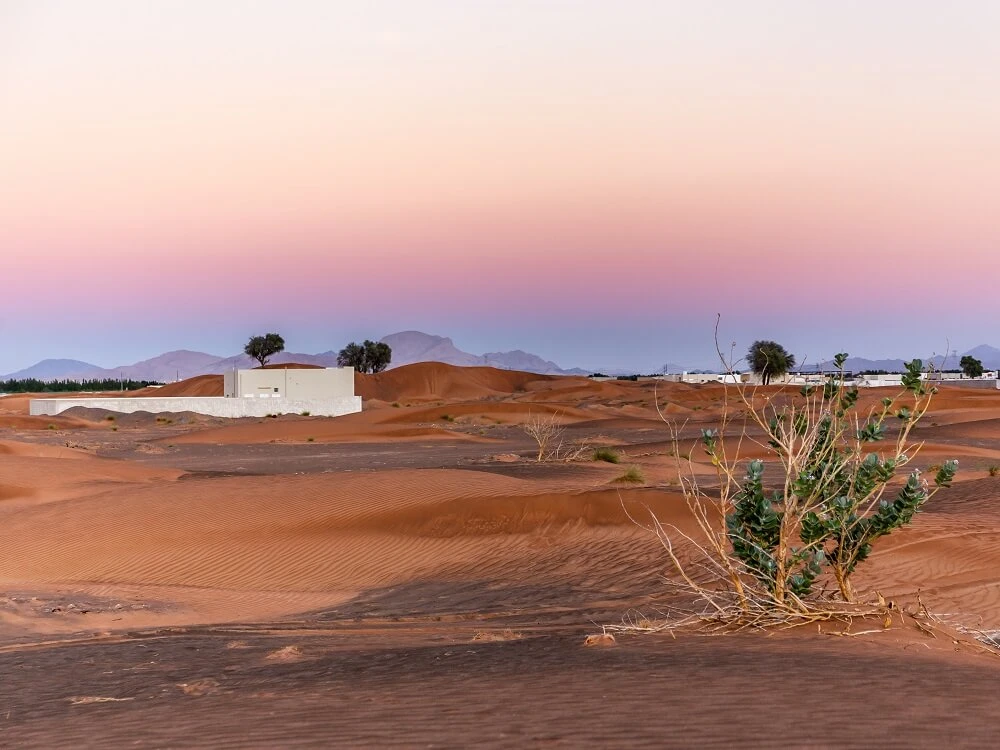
994	470
767	545
262	348
971	367
305	413
447	417
769	358
607	454
631	475
548	433
369	357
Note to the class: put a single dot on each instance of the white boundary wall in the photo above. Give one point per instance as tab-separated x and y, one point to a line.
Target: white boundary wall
214	406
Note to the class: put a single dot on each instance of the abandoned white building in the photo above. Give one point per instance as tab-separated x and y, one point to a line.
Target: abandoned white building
327	392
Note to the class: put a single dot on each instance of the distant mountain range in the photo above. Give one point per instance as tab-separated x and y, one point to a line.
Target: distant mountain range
988	355
407	347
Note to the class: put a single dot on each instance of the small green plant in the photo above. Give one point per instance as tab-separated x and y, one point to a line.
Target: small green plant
110	418
447	417
50	427
305	413
395	404
993	469
310	440
768	546
607	454
114	428
632	475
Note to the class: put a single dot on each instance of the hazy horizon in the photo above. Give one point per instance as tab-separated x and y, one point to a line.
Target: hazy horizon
585	182
738	351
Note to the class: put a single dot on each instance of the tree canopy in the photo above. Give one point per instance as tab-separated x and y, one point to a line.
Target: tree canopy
769	358
262	348
972	367
370	357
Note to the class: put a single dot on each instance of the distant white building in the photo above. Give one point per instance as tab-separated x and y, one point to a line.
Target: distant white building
325	392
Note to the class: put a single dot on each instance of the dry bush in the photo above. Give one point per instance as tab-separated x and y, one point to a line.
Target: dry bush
550	436
784	553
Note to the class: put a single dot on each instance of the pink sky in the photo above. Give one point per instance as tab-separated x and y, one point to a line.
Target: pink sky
591	181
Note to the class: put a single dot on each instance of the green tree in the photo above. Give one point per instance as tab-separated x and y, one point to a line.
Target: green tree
352	355
377	356
262	348
971	366
369	357
769	358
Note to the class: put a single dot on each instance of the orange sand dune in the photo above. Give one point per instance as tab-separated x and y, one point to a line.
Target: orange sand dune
60	422
46	473
436	380
322	533
33	450
202	385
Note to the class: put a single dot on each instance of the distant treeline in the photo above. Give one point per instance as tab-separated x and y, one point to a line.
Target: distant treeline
33	385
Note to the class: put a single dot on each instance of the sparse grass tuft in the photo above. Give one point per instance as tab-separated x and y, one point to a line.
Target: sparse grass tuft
50	427
632	475
607	454
110	417
993	469
310	440
447	417
305	413
395	404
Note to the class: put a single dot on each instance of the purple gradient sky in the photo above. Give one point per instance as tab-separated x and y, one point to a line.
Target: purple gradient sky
590	181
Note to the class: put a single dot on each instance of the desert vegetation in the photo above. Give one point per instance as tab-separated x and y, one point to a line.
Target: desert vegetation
262	348
971	367
33	385
550	435
368	357
770	550
769	359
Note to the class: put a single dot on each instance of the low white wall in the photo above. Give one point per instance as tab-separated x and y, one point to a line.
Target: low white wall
215	406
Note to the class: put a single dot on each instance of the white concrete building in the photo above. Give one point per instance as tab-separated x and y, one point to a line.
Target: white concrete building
325	392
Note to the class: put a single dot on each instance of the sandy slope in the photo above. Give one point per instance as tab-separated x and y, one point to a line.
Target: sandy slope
361	566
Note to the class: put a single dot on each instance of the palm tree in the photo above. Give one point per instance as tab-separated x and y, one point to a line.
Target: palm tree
769	358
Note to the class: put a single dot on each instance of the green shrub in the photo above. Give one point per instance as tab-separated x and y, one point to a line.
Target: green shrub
831	504
632	475
607	454
993	470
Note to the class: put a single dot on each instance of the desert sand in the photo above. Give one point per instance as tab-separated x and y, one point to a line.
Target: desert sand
410	576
